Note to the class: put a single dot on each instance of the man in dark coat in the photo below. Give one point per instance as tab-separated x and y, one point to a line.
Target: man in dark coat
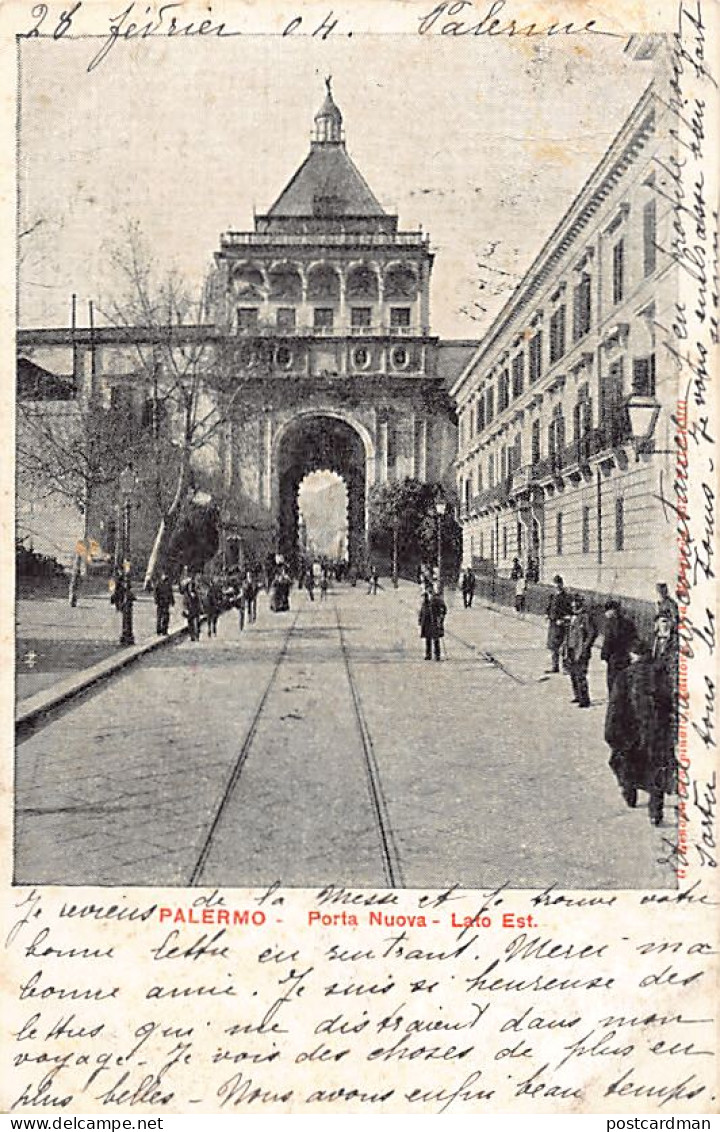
558	615
193	608
640	731
250	592
619	636
213	605
163	600
431	619
128	597
468	586
666	605
581	635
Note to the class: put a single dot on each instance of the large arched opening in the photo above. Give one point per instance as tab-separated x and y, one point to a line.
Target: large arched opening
317	442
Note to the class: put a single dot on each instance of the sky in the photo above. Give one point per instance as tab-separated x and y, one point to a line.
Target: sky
484	144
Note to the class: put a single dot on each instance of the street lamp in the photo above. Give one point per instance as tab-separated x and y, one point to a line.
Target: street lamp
127	486
642	413
440	509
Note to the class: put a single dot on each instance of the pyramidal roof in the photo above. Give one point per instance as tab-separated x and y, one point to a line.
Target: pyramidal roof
328	183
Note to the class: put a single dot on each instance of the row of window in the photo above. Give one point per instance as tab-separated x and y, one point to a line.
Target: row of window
613	393
511	382
248	318
612	420
586	536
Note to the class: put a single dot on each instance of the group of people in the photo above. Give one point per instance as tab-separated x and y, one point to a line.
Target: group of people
642	686
316	576
205	597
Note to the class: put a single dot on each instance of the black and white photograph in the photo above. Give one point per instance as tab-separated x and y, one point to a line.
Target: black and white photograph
345	443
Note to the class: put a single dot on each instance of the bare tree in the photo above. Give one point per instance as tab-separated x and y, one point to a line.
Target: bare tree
184	368
72	451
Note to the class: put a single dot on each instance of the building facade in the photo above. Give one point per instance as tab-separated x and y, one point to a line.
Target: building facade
566	411
328	304
319	321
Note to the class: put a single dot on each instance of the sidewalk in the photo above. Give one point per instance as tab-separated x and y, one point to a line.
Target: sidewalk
517	642
54	641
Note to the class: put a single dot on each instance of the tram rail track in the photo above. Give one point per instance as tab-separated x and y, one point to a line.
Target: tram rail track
237	769
390	860
388	848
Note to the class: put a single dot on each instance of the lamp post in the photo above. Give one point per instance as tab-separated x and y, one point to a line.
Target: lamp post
127	485
440	509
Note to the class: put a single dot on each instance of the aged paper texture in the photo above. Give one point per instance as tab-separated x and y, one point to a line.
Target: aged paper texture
359	487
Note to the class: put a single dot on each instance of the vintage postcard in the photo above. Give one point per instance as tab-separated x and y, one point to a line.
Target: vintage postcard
360	739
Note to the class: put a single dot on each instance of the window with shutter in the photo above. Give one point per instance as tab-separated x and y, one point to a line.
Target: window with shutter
557	334
649	238
536	357
518	374
559	533
619	523
586	530
643	383
618	285
536	441
582	300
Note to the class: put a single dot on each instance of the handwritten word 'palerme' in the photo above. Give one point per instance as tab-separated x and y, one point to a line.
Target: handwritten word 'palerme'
236	917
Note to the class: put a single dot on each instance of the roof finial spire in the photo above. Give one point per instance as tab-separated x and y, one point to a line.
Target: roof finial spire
328	120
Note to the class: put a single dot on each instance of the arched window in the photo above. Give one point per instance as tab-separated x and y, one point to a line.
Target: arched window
323	284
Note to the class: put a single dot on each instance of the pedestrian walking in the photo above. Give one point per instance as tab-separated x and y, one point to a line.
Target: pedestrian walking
117	589
581	635
213	606
324	586
74	582
640	731
310	585
558	615
192	608
164	599
520	588
280	598
128	598
250	592
373	581
516	570
240	604
467	586
618	637
431	619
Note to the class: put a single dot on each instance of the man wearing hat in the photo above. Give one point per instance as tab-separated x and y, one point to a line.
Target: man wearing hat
581	635
618	638
558	615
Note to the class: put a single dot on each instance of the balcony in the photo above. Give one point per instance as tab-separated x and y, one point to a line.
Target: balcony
338	330
322	239
492	496
571	457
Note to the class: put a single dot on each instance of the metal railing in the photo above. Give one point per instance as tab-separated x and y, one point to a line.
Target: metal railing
337	329
327	239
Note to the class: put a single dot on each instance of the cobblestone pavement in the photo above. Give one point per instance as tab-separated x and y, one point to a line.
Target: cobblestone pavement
240	761
53	640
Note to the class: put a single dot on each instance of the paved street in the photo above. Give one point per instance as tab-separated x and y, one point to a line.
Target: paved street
53	640
319	746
